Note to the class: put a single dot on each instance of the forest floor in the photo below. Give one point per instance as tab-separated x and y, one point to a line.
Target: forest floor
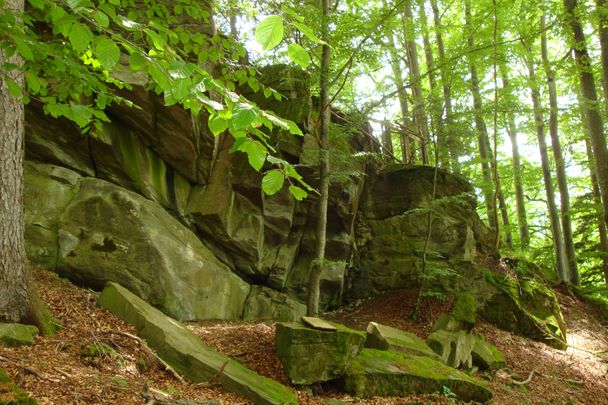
58	370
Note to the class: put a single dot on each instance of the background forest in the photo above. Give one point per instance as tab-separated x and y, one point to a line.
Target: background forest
510	94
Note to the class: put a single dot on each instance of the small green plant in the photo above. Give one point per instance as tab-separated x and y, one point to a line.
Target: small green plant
449	394
120	382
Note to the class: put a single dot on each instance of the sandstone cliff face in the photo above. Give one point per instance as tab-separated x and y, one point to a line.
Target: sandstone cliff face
155	202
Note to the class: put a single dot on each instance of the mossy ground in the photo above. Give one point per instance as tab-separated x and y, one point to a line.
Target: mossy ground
10	394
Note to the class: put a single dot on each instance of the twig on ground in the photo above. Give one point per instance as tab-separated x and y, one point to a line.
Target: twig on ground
27	369
151	352
527	380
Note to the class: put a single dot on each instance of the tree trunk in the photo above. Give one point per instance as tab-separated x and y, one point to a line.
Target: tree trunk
387	142
602	12
16	288
593	119
522	217
412	57
560	167
402	96
597	198
434	101
450	136
556	231
483	141
314	281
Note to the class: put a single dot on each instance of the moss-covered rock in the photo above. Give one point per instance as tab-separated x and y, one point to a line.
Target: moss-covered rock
309	355
384	337
11	394
107	233
16	334
454	348
187	353
487	356
264	303
528	308
383	373
465	308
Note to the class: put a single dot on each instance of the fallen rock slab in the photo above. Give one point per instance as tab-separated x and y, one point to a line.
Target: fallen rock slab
384	337
383	373
16	334
462	349
311	355
187	353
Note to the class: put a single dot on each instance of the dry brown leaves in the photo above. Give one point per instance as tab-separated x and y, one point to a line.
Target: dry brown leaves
66	377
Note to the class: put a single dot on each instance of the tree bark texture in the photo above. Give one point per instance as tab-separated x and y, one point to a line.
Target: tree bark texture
412	57
556	231
560	166
314	281
591	105
483	141
402	96
15	284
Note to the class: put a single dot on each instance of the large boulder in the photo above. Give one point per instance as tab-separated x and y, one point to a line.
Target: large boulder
16	334
187	353
384	337
526	307
383	373
392	229
311	355
109	234
48	190
264	303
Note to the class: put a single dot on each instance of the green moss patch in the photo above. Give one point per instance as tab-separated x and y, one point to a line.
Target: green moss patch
11	394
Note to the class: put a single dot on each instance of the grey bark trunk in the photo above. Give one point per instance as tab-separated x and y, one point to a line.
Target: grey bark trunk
15	284
522	217
387	143
560	167
402	96
412	57
314	281
556	231
602	12
591	105
483	141
450	136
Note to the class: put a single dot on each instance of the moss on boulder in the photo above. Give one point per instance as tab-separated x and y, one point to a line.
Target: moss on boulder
383	373
528	308
310	355
384	337
16	334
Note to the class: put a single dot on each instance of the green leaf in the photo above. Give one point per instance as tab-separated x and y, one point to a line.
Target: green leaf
292	13
243	115
13	87
180	89
24	49
217	125
81	115
269	32
256	153
101	18
80	37
107	52
33	82
273	181
299	55
294	129
308	32
137	62
298	193
159	76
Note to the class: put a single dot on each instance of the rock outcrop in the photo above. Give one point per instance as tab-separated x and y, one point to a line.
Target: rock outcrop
187	353
156	202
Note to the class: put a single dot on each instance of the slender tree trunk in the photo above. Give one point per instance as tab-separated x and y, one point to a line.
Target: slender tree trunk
434	101
602	12
16	289
597	198
412	57
522	217
450	135
593	118
387	142
560	167
314	281
402	96
556	231
483	141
